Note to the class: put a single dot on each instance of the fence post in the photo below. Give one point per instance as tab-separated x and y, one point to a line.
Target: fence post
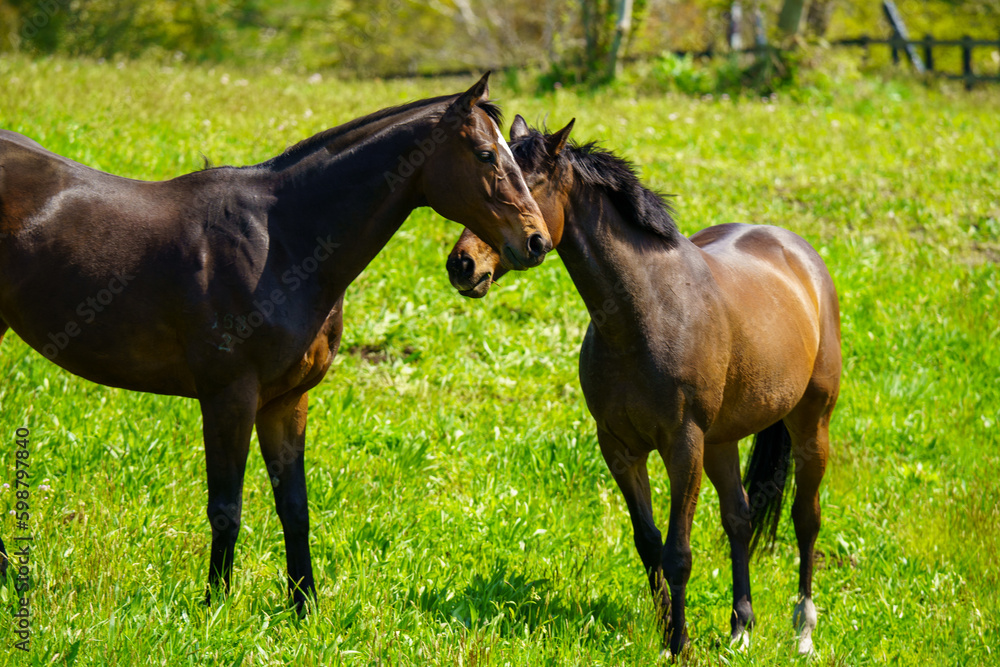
759	34
900	36
929	52
735	27
967	61
864	39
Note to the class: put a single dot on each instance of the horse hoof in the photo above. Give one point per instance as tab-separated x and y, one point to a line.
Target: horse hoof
740	642
804	620
666	656
300	608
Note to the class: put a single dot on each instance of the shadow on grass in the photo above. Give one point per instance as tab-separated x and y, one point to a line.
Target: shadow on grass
511	604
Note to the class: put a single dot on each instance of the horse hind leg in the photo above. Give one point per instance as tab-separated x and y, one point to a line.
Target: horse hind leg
281	430
227	422
810	451
722	465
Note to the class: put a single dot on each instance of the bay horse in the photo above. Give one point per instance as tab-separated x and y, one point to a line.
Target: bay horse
693	344
227	285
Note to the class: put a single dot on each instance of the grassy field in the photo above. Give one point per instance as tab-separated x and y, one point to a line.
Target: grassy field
461	511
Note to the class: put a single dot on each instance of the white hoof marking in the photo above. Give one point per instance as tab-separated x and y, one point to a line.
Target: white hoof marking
804	620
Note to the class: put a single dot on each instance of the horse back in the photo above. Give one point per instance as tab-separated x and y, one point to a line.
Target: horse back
768	261
71	235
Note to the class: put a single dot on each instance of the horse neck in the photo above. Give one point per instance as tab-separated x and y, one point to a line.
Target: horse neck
353	200
618	268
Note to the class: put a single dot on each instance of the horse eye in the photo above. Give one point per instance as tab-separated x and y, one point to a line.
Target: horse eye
488	157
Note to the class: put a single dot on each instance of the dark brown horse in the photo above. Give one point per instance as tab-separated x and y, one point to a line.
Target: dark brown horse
227	285
693	344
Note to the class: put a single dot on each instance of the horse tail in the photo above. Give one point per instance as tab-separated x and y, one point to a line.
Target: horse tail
765	478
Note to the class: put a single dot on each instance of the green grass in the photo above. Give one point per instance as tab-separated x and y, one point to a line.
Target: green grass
461	511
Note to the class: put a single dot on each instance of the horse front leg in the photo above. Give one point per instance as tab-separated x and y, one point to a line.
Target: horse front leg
281	429
228	417
628	467
683	456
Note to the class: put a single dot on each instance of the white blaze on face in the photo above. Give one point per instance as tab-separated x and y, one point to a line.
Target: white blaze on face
506	149
500	142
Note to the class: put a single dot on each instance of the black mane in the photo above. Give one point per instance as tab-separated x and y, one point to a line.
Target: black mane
328	138
616	176
491	109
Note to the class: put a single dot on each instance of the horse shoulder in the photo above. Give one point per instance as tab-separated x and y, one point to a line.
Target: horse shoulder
29	177
216	218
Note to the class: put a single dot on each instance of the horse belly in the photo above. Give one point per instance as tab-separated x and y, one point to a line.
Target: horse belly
767	377
102	325
750	409
133	356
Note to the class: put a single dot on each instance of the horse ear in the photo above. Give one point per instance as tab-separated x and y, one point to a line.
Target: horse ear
480	92
556	142
519	128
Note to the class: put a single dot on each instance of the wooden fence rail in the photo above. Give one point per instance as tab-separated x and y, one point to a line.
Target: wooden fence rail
927	45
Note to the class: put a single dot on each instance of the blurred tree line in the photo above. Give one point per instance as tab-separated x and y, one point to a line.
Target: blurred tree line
575	40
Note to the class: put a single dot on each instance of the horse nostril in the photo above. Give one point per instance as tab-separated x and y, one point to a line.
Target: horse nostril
460	266
538	246
468	266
